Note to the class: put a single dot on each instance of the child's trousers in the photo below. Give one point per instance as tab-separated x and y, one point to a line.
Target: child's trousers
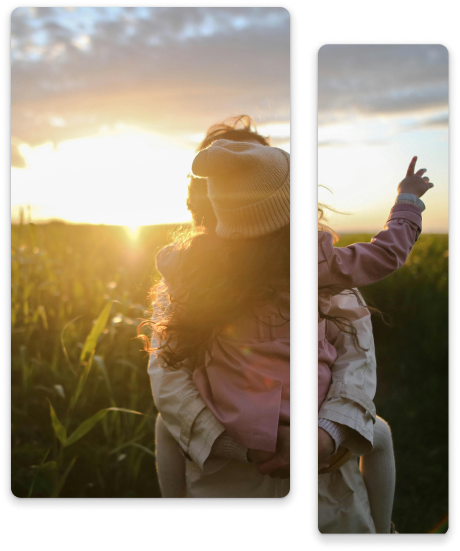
379	474
170	462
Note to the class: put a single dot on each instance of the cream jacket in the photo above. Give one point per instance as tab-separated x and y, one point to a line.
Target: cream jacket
343	505
195	428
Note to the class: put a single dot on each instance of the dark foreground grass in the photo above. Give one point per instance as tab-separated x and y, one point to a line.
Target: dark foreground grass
412	390
62	278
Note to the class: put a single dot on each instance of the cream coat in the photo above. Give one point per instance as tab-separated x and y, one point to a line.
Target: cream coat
342	495
343	505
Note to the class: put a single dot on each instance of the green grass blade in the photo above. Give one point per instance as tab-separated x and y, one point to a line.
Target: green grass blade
144	449
98	327
81	382
61	482
101	365
64	349
87	425
31	489
58	427
125	445
48	466
40	312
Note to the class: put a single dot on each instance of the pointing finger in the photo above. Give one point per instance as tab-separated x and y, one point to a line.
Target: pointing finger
410	170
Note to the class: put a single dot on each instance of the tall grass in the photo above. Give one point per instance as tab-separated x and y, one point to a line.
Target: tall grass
78	376
65	278
412	375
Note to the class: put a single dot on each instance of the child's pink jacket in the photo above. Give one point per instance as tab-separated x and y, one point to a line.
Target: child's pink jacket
245	381
357	265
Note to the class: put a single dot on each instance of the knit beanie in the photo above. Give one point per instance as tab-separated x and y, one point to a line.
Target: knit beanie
248	185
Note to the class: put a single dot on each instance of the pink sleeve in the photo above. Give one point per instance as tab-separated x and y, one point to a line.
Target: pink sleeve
365	263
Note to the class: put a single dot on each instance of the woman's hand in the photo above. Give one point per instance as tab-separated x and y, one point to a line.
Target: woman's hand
279	465
416	184
259	456
326	447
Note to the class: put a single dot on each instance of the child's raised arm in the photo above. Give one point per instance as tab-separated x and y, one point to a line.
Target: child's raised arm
415	184
365	263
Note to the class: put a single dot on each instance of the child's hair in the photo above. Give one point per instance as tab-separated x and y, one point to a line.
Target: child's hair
322	219
236	129
341	322
218	280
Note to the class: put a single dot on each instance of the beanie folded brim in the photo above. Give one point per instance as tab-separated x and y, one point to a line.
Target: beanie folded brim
248	186
257	219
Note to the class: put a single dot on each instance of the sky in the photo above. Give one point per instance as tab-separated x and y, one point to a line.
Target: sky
378	106
109	104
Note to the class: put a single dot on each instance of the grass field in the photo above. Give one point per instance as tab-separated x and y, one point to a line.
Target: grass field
412	375
66	277
62	278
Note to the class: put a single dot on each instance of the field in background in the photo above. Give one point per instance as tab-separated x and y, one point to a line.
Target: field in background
63	277
412	378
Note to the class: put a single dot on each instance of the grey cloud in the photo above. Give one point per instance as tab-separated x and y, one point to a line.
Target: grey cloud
405	100
175	71
381	79
440	122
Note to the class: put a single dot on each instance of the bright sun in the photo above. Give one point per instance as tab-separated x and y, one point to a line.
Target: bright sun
127	177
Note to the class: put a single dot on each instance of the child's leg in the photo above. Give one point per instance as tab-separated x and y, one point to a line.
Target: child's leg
379	474
170	462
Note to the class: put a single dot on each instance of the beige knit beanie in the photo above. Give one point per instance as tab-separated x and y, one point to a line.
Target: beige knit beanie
248	185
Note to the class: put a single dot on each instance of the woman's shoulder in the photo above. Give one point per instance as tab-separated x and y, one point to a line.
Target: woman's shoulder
168	260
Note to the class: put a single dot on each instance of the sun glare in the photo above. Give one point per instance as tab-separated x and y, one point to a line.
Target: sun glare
126	177
133	232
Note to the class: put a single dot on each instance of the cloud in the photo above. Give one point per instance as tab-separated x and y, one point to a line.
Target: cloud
352	143
370	80
333	143
174	71
17	160
436	123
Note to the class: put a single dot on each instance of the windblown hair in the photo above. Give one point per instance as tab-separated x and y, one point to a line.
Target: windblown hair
322	226
217	281
236	129
341	322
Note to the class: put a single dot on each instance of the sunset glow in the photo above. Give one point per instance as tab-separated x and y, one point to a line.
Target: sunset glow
108	105
370	125
116	178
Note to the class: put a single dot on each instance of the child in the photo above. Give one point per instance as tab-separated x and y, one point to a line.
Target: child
341	269
229	295
345	268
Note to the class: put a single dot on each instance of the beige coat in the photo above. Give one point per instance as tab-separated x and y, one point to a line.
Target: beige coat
195	429
343	505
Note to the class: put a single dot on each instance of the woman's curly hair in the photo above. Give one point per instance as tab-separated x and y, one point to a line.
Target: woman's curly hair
218	280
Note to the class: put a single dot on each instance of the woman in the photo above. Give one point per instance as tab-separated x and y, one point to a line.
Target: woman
343	505
255	484
211	474
198	432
